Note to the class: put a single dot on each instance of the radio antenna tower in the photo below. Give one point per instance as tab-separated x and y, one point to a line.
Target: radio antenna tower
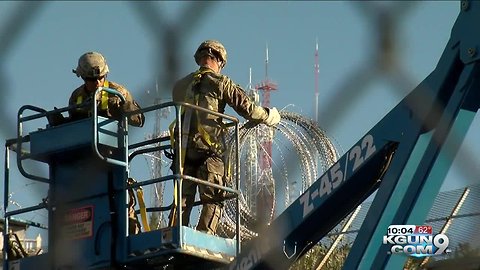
317	71
157	218
265	198
266	86
252	172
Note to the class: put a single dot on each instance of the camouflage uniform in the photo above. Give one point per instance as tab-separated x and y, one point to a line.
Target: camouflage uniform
214	91
113	110
93	66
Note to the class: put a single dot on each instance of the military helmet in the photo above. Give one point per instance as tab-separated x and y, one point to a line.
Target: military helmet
212	48
91	65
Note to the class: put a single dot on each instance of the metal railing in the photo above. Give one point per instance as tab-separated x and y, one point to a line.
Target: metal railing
17	145
123	130
178	177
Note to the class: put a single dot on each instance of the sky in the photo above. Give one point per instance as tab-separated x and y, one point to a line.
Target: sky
139	42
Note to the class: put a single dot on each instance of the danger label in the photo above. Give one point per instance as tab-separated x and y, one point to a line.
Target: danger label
78	223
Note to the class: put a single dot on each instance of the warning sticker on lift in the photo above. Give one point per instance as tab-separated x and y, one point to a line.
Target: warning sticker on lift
78	223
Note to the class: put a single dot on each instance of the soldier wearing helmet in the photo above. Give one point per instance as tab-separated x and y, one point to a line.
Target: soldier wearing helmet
205	147
93	69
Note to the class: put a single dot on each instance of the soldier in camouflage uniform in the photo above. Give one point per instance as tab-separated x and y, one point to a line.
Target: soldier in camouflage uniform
205	148
93	69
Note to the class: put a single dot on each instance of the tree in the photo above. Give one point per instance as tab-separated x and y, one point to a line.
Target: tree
313	257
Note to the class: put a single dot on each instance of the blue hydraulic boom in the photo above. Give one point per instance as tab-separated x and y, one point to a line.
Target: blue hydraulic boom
404	158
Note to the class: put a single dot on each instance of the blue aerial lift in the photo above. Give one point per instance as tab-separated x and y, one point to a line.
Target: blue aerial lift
405	158
87	203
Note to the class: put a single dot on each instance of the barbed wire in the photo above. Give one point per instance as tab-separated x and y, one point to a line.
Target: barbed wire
383	20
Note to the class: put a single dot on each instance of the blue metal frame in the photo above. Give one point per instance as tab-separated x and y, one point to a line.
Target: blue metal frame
457	69
62	147
405	156
410	145
181	236
124	129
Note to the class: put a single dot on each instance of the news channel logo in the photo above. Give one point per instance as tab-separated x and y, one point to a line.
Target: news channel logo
415	241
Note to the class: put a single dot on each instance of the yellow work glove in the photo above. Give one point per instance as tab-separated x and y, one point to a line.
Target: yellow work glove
273	117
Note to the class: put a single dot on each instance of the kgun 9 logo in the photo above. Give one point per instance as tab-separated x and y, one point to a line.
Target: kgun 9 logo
416	241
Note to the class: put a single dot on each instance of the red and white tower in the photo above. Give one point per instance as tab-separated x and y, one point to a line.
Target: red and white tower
266	86
265	198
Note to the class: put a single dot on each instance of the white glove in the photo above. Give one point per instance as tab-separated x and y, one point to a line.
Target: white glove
273	117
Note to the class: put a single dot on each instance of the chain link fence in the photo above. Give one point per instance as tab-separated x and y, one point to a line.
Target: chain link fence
454	212
170	31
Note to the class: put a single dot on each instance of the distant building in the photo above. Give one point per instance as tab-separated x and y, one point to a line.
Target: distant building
19	227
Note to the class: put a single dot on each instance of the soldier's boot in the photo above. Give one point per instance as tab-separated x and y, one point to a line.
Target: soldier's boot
209	218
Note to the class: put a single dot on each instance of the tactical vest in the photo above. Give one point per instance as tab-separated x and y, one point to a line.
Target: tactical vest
103	100
192	97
